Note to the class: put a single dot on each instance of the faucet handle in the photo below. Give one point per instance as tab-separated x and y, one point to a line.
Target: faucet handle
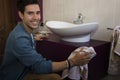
79	15
79	20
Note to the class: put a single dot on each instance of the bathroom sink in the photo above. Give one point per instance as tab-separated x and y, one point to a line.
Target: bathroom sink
72	32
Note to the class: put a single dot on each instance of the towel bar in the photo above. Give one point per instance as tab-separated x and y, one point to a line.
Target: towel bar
110	28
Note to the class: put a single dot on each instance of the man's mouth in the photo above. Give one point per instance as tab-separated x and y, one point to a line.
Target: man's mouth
35	23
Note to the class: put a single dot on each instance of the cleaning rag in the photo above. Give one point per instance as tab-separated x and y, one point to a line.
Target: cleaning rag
78	72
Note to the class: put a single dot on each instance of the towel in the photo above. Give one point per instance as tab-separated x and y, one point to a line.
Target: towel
116	38
76	72
114	62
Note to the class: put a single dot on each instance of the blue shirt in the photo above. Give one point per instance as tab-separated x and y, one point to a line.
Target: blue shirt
20	56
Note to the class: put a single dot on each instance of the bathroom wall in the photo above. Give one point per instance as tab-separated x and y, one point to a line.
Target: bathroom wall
105	12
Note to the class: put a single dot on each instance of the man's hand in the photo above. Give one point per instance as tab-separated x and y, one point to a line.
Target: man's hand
41	36
80	58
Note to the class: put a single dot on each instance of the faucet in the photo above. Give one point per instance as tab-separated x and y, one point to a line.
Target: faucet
79	20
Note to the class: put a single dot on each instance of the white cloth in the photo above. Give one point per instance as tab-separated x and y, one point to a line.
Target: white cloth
114	62
77	72
116	40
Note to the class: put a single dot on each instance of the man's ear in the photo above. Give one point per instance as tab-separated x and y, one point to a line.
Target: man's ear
20	15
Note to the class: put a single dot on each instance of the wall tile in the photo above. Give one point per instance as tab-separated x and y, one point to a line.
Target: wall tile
105	12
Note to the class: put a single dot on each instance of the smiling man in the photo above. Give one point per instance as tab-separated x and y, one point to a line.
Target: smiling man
21	57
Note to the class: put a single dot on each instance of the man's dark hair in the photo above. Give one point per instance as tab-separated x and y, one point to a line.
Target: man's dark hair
21	4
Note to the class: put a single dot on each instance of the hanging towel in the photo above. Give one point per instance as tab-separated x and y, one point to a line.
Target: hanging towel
76	72
116	39
114	62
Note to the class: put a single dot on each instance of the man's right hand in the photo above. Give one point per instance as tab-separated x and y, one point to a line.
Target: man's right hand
80	58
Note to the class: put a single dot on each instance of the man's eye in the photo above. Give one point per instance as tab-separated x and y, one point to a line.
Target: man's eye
30	13
38	12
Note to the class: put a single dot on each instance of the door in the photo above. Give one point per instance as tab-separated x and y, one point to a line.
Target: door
6	22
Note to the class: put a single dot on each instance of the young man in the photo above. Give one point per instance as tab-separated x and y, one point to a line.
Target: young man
21	56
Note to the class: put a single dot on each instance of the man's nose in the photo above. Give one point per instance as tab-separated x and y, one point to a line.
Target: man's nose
36	16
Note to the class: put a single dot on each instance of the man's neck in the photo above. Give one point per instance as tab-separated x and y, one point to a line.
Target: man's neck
28	29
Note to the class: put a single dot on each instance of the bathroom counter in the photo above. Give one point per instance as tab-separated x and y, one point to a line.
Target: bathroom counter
58	51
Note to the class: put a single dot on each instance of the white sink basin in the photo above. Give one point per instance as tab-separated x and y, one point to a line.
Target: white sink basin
72	32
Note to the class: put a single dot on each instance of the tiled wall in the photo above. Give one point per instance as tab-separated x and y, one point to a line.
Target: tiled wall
105	12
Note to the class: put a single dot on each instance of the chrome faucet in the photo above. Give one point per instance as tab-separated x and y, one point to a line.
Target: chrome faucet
79	20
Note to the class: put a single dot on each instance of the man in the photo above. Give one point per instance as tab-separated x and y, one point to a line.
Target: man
21	56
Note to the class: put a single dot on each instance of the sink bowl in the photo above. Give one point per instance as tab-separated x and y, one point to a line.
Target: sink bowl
72	32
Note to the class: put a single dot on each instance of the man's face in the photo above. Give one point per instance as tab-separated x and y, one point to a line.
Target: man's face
31	16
